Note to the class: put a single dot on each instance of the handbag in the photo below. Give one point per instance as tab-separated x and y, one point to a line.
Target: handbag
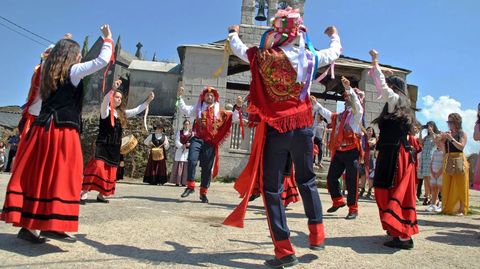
455	165
157	154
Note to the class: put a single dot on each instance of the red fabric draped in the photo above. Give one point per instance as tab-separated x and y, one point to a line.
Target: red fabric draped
222	133
252	173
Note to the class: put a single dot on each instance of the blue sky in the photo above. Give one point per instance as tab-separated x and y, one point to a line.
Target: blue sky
436	39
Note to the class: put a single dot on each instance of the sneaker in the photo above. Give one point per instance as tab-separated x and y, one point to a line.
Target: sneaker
286	261
187	192
431	208
203	198
438	209
335	208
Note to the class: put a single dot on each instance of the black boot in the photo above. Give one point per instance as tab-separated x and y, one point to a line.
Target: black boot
286	261
187	192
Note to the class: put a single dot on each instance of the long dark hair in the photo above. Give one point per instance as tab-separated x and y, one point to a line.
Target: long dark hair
373	131
55	70
403	112
434	127
122	115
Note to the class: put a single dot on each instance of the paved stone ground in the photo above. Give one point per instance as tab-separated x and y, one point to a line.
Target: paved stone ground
152	227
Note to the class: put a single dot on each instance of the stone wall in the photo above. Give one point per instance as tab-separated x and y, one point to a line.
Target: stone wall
136	160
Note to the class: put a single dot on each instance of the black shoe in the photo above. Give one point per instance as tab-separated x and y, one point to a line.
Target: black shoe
83	201
397	243
369	195
286	261
362	192
253	197
60	236
335	208
426	201
102	200
203	198
351	215
25	234
187	192
317	247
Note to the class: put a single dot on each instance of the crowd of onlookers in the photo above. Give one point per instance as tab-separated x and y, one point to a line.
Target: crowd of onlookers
439	189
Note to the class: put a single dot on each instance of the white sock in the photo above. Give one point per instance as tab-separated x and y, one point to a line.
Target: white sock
34	232
84	195
404	239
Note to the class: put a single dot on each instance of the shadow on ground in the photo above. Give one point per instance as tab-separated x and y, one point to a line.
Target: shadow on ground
183	255
10	243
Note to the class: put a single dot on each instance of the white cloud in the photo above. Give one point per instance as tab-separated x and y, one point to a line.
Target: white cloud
438	110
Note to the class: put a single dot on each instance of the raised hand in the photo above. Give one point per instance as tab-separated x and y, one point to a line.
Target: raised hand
106	31
239	101
180	90
67	36
345	83
330	30
116	84
313	99
151	96
374	54
234	28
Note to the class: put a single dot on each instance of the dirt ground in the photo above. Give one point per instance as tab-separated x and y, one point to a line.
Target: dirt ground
152	227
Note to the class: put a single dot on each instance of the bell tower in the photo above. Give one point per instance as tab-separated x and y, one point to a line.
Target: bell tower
249	31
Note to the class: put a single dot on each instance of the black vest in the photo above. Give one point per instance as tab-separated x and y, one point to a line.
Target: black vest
64	106
159	141
392	135
109	141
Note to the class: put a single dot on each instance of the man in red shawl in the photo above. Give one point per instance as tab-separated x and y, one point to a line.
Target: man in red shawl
281	110
210	128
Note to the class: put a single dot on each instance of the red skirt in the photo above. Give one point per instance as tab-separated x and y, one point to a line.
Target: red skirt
44	190
397	205
156	171
100	176
290	191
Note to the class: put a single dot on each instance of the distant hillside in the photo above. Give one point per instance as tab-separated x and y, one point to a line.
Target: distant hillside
11	109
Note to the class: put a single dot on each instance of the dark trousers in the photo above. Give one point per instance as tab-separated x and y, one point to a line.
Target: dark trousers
11	154
319	144
344	161
298	143
205	153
